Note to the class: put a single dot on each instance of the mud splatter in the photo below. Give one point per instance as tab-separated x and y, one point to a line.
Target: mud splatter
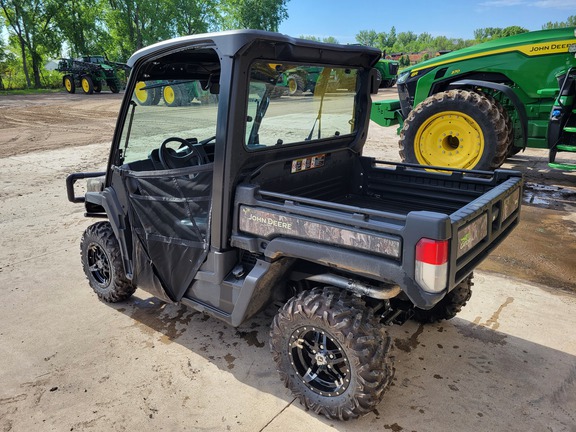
408	345
251	338
230	360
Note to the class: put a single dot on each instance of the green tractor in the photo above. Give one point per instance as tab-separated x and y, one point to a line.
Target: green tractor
91	74
474	107
299	79
388	72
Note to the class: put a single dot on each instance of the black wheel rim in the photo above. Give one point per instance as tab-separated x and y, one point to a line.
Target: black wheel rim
319	361
98	264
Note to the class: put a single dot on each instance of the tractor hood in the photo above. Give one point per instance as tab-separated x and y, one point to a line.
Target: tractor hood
532	43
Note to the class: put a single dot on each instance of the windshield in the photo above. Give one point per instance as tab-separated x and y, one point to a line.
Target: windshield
185	110
290	104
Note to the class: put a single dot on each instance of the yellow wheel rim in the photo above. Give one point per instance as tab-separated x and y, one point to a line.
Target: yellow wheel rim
449	139
141	95
85	85
292	85
68	84
169	95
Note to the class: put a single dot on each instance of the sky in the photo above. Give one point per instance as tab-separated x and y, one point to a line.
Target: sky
343	19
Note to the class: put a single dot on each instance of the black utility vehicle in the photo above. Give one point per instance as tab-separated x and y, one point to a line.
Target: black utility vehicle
237	201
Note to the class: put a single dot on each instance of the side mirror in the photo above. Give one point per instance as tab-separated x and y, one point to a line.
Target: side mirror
375	80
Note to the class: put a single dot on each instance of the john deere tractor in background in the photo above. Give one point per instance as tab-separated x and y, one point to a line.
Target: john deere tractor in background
474	107
91	74
388	70
300	79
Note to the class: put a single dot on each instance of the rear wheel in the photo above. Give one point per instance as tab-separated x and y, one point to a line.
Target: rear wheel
102	263
295	85
455	129
69	84
114	88
332	353
449	306
172	96
87	85
145	96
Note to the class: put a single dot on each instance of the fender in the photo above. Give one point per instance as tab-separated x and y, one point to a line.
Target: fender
520	108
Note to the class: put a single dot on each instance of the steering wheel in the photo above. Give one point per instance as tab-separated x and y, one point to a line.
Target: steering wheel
170	158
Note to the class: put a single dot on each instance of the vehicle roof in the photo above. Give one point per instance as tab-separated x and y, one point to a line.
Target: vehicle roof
229	43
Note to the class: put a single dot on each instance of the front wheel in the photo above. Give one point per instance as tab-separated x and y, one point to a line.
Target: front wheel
102	263
332	353
455	129
69	84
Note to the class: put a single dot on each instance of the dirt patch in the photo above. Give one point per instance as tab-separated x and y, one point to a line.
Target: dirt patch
47	122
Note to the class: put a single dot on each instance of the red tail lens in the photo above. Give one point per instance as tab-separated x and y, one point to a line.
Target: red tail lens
433	252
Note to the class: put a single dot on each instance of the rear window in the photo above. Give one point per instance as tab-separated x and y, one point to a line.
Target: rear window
290	104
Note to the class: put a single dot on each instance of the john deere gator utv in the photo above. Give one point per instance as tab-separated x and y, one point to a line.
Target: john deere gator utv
474	107
247	201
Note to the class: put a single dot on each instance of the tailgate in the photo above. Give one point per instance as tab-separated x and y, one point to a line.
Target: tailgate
481	225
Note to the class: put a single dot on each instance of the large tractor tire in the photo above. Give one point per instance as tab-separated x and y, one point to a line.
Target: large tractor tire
449	306
295	85
114	88
332	353
69	84
172	96
455	129
511	150
87	84
102	263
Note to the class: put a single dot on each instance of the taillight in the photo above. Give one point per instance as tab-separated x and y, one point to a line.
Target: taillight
431	268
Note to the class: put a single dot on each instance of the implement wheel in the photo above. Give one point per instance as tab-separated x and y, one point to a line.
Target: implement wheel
455	129
87	84
69	84
146	96
172	96
332	353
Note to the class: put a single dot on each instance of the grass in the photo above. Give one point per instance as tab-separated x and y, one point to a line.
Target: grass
29	92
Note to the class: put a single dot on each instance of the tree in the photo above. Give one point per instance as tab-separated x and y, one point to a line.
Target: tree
491	33
405	42
134	24
196	16
368	38
570	22
327	39
254	14
31	21
81	24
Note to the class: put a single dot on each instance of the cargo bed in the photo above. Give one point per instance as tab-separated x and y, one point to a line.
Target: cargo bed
382	208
